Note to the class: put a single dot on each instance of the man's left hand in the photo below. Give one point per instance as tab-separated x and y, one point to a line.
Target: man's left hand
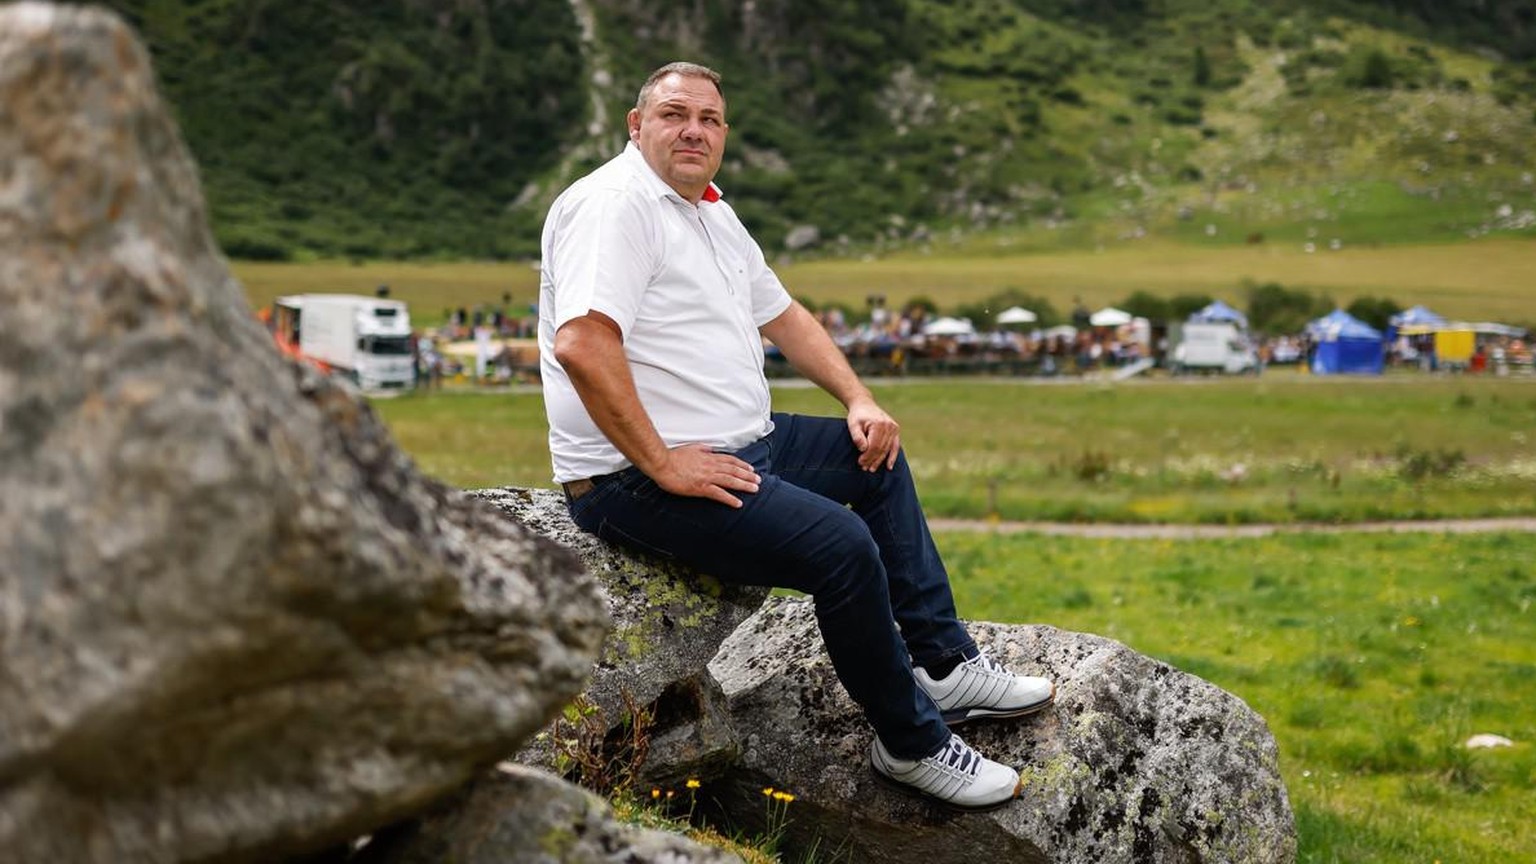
875	433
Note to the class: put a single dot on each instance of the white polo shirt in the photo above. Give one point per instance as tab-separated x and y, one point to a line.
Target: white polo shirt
687	285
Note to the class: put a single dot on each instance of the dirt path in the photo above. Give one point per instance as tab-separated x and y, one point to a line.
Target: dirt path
1216	532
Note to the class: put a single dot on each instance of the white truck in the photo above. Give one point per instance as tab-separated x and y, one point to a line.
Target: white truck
365	339
1215	346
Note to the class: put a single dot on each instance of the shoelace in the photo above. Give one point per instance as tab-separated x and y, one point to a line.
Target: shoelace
960	756
986	663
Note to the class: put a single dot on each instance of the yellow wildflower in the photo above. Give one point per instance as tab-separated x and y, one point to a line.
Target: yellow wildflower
692	783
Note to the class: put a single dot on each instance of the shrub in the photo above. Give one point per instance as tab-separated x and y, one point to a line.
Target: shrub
601	759
1092	466
1368	70
1416	465
253	244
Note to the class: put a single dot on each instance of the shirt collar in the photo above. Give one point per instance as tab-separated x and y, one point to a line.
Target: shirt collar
658	185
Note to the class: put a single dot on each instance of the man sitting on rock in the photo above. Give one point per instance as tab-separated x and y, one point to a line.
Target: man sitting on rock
652	307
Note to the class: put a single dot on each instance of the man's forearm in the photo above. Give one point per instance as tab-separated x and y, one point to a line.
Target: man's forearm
812	352
593	358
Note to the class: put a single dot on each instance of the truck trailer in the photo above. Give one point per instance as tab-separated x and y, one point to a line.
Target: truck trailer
367	340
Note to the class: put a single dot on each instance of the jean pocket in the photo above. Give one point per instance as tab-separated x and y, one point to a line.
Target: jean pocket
612	533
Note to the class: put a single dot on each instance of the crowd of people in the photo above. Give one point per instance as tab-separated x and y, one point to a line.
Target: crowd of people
492	356
903	342
900	342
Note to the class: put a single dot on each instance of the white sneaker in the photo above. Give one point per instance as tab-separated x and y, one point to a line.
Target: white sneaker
956	776
981	687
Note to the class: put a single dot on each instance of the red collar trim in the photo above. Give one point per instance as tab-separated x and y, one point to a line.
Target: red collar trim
712	193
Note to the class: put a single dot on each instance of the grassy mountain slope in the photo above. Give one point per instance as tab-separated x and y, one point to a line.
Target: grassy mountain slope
409	129
367	129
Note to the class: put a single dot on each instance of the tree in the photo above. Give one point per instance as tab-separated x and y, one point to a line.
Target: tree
1185	305
1202	71
984	313
1147	305
1273	308
923	302
1375	311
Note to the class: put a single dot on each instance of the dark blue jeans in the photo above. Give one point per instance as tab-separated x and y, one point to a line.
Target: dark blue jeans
856	541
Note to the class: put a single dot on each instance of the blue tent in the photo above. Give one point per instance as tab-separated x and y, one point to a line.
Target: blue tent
1418	315
1331	322
1345	345
1219	311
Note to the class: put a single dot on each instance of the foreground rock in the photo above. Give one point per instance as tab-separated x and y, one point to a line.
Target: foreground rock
519	814
668	622
235	624
1137	762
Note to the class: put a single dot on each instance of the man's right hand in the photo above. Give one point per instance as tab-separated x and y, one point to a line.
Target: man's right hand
697	471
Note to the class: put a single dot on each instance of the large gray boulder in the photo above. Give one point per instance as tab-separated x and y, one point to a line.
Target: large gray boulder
1137	762
669	620
235	623
523	815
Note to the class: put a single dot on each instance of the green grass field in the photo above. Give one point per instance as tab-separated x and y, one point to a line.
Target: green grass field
1488	280
1281	448
1372	657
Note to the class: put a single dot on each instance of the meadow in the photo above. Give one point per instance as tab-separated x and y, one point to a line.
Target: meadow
1486	280
1373	658
1284	447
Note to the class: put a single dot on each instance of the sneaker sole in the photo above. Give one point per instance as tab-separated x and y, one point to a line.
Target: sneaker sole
958	716
915	792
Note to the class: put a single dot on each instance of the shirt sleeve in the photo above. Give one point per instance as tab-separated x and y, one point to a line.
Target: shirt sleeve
769	296
602	258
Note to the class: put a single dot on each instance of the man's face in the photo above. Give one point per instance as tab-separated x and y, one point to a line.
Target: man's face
681	132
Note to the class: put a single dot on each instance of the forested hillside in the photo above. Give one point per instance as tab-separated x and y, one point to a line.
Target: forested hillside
406	128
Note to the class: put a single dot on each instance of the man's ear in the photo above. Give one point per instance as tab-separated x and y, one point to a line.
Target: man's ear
633	119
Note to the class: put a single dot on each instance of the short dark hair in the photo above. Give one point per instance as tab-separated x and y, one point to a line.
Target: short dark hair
677	67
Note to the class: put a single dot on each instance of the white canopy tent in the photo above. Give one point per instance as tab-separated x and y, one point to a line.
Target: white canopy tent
1016	315
949	327
1109	316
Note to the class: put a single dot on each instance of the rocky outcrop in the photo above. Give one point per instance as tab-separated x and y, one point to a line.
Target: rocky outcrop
235	623
1137	762
668	623
520	814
